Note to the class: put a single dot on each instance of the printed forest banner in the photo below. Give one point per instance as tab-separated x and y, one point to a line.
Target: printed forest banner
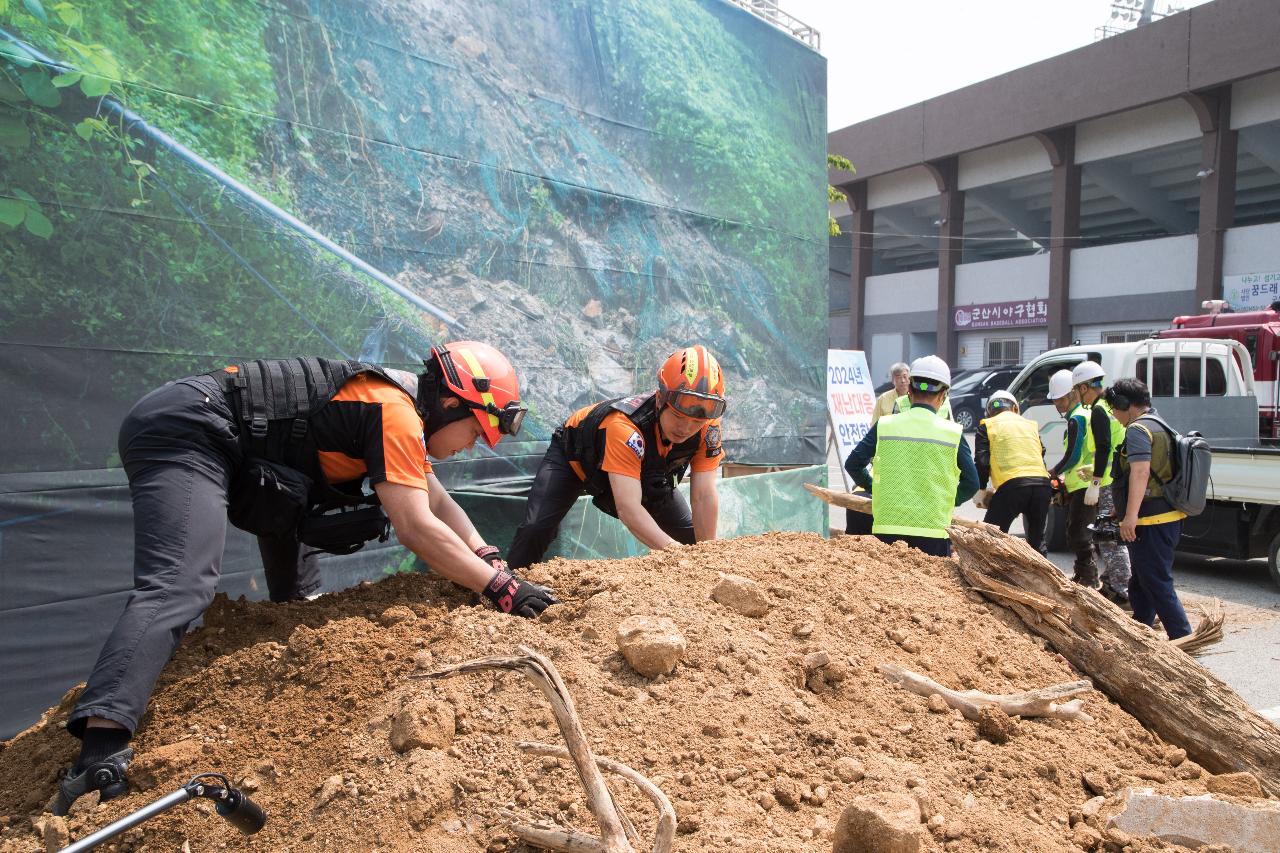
586	184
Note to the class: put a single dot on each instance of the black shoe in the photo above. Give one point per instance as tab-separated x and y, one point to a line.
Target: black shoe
1116	597
106	776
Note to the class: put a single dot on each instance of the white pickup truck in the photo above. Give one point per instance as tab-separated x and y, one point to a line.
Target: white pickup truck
1197	384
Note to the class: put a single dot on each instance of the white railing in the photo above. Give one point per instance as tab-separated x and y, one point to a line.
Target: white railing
769	11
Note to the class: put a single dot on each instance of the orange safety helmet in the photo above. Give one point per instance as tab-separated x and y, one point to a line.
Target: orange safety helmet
485	382
692	383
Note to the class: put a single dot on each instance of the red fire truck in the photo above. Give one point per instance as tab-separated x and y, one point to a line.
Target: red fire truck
1259	331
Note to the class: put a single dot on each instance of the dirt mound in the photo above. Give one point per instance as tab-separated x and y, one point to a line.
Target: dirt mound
767	729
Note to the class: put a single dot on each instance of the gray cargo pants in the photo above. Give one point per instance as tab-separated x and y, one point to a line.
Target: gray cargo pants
180	447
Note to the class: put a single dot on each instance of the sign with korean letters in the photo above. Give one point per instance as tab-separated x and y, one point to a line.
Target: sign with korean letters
1254	291
1001	315
851	398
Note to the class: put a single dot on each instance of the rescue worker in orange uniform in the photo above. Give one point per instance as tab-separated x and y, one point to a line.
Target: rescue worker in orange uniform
628	454
280	447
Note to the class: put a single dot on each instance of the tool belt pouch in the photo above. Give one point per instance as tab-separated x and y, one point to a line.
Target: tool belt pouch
268	499
344	530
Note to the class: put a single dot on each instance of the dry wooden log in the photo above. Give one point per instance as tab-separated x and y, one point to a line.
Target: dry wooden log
1207	632
542	673
1044	702
1151	678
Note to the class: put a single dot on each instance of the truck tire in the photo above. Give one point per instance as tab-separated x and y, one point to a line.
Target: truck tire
1055	532
1273	559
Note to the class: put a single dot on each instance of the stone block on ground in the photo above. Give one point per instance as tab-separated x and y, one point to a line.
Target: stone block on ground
653	645
879	823
741	594
1201	821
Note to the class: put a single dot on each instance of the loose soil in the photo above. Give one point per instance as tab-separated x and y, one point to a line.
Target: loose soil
299	704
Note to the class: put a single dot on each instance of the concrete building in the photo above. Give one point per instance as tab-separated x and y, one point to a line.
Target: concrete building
1092	196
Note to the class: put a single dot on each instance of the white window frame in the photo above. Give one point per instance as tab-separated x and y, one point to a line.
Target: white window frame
1125	336
1004	359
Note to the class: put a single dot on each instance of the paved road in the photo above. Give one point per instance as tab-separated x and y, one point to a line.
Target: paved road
1248	657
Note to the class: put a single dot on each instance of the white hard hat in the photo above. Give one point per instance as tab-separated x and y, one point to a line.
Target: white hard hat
1087	371
933	368
1060	385
1002	400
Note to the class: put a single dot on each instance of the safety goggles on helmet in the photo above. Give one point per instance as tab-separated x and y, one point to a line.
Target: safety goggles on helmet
695	404
510	417
928	386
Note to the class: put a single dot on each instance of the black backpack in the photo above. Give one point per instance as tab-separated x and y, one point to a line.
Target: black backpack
1188	488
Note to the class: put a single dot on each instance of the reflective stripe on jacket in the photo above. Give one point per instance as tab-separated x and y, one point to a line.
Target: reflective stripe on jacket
915	474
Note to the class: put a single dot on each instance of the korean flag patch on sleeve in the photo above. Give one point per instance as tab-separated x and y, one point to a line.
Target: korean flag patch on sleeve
636	443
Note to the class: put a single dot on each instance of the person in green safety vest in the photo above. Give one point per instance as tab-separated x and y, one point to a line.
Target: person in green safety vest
921	465
1088	378
1078	449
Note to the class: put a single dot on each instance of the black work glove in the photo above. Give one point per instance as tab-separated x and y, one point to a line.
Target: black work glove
491	555
514	595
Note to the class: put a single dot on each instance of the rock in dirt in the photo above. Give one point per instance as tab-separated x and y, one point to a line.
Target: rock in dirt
1198	821
653	645
423	724
1236	785
879	823
53	832
850	770
995	725
741	594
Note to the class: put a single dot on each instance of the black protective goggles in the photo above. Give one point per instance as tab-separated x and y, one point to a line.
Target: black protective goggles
694	404
510	417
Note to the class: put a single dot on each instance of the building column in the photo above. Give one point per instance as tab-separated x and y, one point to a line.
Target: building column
862	240
1064	229
950	250
1217	186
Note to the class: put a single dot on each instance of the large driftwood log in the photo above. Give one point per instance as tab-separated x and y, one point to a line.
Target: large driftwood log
1152	679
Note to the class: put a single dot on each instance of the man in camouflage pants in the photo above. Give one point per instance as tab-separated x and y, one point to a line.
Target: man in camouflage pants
1107	434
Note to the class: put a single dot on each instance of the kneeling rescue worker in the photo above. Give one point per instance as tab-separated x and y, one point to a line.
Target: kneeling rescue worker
1008	449
628	454
921	465
280	447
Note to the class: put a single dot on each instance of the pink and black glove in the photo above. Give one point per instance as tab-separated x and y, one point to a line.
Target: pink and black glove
491	555
519	597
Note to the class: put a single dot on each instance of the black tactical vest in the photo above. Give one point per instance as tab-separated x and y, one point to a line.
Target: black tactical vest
273	400
659	474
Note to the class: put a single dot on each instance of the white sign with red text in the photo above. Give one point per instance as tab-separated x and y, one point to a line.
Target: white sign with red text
851	397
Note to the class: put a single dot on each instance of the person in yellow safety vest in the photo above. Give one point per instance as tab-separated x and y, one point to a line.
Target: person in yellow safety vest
1078	446
1007	447
900	373
921	465
1107	435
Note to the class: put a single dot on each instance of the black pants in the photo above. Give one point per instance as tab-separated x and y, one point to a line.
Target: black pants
555	488
1151	589
858	523
180	447
1079	538
934	547
1029	500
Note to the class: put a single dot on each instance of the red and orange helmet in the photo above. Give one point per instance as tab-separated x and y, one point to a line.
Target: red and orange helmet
691	382
485	382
